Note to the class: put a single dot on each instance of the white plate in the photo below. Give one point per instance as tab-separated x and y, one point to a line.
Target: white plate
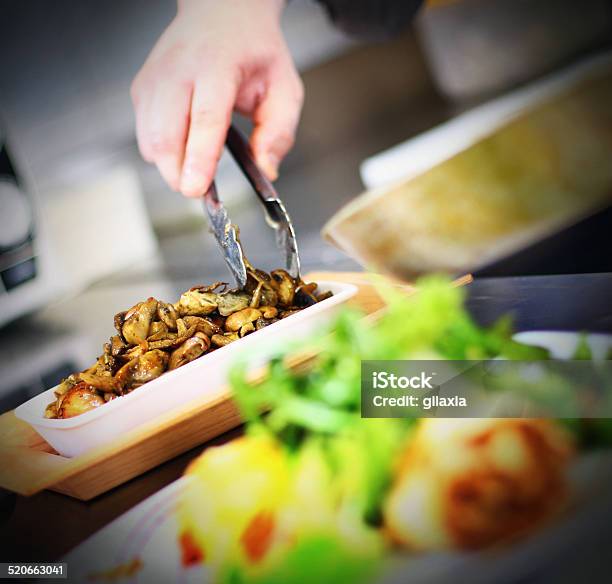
204	376
149	530
149	533
562	344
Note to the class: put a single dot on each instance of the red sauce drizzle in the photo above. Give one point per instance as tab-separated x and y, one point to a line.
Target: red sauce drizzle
257	537
191	554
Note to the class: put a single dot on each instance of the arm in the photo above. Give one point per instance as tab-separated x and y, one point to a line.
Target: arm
216	57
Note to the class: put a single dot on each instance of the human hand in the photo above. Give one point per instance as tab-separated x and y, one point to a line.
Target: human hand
216	57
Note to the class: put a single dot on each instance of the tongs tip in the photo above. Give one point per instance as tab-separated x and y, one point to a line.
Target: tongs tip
277	217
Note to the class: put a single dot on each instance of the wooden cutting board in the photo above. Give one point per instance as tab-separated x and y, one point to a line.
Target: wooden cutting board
28	464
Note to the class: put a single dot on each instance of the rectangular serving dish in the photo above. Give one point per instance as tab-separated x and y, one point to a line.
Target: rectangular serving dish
205	376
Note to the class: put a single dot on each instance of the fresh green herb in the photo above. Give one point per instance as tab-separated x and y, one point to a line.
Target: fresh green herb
320	407
583	350
320	559
324	401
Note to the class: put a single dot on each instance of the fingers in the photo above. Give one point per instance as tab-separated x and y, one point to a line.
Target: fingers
276	119
169	120
181	127
141	109
161	128
211	113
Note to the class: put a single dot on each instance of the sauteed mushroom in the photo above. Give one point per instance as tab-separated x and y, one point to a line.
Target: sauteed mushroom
118	345
195	302
285	287
269	311
154	336
167	314
104	383
157	331
225	339
202	325
260	283
137	320
78	400
232	302
304	295
237	320
142	369
191	349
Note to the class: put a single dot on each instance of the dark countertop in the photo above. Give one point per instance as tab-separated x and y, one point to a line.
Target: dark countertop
577	302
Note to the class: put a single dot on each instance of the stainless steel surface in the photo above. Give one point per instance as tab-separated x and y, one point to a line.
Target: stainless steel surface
226	235
278	218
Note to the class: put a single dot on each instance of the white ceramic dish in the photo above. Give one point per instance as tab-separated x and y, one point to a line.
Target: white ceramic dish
148	533
207	375
562	344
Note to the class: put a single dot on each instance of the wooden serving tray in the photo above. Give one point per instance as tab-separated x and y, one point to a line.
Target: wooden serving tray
28	464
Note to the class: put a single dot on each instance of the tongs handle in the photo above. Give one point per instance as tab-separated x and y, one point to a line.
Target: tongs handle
276	213
243	155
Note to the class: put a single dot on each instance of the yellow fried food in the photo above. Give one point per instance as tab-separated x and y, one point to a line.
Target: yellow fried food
229	510
471	483
248	502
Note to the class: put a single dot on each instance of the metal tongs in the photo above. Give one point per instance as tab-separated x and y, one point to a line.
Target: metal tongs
226	233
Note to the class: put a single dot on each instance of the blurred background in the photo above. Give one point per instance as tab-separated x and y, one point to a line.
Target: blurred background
87	228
